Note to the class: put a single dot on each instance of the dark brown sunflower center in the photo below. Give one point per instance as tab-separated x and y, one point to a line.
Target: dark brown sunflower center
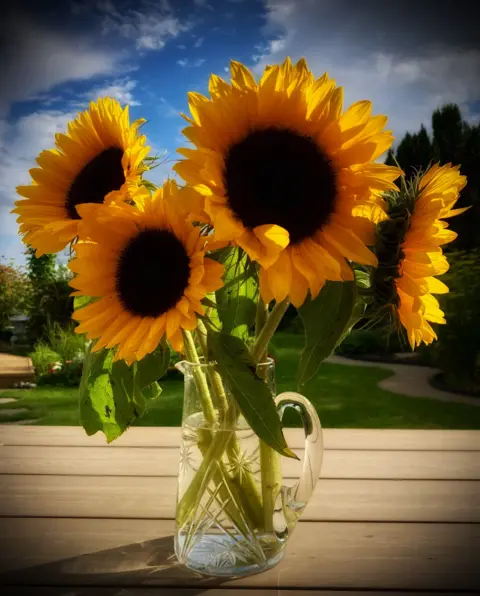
276	176
100	176
152	273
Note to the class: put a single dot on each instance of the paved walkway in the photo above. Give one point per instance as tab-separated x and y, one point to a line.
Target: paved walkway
409	379
14	369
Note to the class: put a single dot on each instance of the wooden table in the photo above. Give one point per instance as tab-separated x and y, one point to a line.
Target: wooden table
395	511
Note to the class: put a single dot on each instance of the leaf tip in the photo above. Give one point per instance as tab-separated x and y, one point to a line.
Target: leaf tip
287	452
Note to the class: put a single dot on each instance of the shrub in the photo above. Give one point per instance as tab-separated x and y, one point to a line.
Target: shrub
66	375
294	325
457	351
65	342
58	360
362	342
43	357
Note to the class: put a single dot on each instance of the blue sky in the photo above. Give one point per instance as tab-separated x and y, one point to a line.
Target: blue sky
57	56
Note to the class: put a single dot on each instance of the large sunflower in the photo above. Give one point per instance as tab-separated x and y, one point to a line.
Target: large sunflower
99	159
410	254
279	170
146	265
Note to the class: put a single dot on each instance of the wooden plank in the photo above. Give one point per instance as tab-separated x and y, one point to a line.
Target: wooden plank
336	438
163	461
170	591
125	553
154	497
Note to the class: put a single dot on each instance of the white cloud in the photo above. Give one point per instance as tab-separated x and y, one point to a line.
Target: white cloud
35	59
120	89
203	4
181	47
198	43
151	25
404	80
20	143
186	63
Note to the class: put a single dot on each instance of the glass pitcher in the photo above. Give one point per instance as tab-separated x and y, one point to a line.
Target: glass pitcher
234	515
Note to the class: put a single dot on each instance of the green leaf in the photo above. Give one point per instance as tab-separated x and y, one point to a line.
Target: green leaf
152	367
236	300
249	391
107	396
81	301
325	319
152	391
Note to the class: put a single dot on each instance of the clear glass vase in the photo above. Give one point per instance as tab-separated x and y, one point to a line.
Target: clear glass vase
234	515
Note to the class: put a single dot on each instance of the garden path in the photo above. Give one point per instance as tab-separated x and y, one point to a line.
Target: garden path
409	379
14	369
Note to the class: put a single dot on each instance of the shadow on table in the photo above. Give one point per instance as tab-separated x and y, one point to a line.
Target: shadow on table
113	572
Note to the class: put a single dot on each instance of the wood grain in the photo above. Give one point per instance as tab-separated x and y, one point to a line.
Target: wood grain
235	591
154	497
336	438
329	555
156	461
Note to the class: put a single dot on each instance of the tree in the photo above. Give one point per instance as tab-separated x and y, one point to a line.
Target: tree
415	152
448	133
390	160
51	300
15	293
41	270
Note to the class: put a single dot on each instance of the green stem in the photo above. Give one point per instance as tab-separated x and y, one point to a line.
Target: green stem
271	482
267	331
200	380
260	320
212	445
249	493
269	459
215	378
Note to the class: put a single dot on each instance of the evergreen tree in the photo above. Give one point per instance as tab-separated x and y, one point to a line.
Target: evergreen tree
423	150
448	133
390	159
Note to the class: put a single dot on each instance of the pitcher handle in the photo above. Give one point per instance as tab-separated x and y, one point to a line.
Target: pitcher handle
297	496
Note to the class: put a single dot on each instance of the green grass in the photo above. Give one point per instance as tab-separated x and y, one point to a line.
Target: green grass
345	396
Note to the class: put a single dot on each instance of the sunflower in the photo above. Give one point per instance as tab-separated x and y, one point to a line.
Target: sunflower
409	251
282	172
146	266
99	159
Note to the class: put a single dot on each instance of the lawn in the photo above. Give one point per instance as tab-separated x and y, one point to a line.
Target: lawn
345	396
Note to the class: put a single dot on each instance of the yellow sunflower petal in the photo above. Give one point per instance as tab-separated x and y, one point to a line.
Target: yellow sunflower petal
134	310
288	147
92	164
280	276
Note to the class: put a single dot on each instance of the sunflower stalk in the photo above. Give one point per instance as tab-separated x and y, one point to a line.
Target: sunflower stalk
265	334
212	446
249	491
270	468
